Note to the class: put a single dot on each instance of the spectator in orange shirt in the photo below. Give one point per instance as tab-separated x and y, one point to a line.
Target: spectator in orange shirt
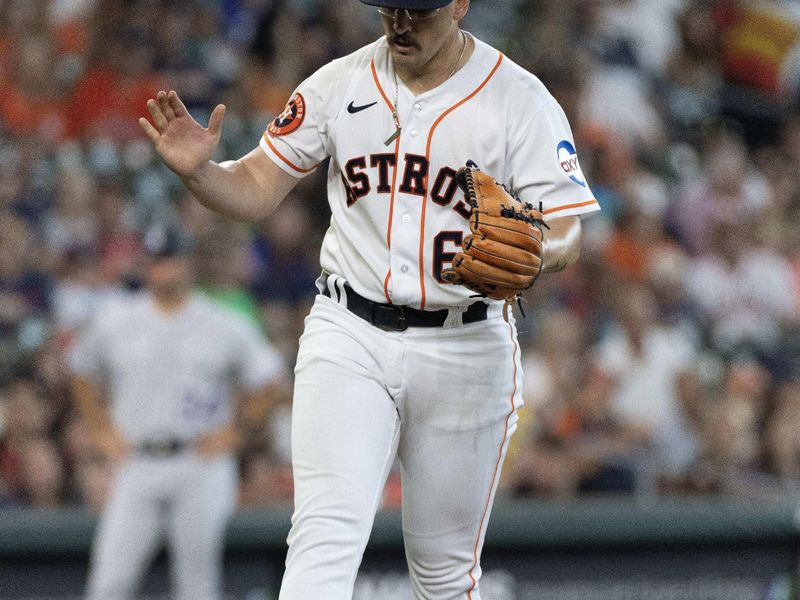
106	99
32	99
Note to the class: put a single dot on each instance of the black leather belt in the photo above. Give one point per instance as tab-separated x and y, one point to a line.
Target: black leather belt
391	317
168	447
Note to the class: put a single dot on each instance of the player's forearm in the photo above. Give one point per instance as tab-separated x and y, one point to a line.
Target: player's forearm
562	243
232	190
88	401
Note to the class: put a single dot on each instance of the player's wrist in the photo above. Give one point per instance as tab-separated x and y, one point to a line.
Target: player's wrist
235	438
226	439
195	178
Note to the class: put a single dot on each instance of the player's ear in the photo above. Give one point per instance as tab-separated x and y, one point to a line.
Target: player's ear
461	8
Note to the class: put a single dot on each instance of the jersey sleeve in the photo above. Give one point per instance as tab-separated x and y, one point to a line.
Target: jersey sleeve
544	167
297	139
258	363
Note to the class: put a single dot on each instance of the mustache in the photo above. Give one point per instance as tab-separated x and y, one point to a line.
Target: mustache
402	39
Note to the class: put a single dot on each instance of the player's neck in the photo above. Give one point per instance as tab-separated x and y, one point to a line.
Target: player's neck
453	55
170	301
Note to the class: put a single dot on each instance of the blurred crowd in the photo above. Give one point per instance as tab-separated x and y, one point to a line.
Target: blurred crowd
667	361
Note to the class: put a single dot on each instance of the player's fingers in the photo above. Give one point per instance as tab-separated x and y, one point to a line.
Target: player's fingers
177	104
151	131
158	117
215	122
163	103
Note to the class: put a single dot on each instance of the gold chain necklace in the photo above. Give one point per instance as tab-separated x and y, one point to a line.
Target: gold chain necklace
397	128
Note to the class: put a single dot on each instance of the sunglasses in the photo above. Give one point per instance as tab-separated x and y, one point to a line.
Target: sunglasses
413	16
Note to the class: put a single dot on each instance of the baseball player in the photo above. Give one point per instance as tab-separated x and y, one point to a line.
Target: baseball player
396	360
169	362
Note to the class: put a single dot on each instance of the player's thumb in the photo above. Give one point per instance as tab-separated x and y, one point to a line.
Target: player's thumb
215	122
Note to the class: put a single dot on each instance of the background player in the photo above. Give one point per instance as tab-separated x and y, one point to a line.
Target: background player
393	360
169	363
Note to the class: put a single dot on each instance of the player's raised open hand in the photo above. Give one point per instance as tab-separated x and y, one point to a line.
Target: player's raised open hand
183	144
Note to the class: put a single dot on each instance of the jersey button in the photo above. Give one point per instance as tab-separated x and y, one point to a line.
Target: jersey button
404	269
413	133
417	107
406	218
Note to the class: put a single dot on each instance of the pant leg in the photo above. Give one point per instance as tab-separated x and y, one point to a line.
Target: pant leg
128	534
202	504
456	426
344	432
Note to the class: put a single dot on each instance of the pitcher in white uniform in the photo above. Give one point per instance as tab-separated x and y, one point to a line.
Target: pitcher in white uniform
394	362
170	384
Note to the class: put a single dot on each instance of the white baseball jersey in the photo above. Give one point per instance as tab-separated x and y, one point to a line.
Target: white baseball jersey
398	216
172	375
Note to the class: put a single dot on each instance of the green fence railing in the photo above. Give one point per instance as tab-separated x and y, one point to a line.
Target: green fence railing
530	524
690	548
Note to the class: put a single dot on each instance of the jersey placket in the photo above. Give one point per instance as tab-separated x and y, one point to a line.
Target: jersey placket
411	252
404	254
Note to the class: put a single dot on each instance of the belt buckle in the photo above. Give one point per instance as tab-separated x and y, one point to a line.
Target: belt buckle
160	448
163	448
389	318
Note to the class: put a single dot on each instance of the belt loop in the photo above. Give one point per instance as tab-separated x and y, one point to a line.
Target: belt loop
330	282
455	317
336	288
342	291
322	281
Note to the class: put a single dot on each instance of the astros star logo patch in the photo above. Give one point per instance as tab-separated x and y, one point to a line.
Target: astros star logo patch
291	118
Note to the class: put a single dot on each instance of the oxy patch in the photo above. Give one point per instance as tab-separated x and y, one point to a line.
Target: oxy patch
568	161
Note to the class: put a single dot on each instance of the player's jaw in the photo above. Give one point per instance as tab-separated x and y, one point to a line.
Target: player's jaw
417	53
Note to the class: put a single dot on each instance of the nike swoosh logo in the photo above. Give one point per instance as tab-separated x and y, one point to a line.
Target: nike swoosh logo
352	109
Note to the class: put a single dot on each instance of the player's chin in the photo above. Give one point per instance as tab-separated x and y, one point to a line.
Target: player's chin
405	55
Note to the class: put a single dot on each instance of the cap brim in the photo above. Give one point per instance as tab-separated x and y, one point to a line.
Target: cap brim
409	4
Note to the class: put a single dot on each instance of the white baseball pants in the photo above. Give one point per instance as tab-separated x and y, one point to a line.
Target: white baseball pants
444	401
185	498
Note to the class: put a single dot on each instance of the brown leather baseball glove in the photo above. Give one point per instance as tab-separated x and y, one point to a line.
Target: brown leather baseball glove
503	256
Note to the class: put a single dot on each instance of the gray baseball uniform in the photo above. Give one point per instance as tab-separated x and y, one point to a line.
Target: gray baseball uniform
169	378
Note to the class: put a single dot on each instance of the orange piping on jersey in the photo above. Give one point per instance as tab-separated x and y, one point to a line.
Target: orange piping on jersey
428	159
391	197
386	285
550	211
499	458
378	84
286	160
394	180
